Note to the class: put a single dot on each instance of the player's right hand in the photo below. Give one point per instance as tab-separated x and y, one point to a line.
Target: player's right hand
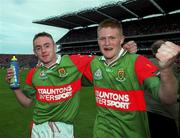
9	74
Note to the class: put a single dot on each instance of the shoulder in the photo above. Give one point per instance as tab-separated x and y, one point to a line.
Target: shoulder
30	75
131	55
81	58
32	71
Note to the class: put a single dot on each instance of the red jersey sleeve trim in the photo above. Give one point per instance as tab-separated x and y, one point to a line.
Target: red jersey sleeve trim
88	73
81	61
144	68
29	76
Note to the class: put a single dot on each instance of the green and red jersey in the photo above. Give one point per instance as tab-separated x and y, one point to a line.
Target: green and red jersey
55	90
119	95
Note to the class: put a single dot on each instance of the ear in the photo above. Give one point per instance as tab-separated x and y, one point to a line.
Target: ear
34	52
55	47
122	40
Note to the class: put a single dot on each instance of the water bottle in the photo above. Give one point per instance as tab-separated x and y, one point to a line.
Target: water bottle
14	82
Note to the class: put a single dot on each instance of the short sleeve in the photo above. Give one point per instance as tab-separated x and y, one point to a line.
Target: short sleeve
144	68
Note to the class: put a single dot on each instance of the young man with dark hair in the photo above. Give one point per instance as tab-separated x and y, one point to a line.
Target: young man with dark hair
54	87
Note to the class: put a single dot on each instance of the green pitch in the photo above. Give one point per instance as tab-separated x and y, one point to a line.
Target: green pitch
15	120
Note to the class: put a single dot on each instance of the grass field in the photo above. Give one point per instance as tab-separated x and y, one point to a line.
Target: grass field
15	120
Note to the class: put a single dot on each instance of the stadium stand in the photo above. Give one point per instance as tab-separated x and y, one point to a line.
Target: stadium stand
144	21
25	61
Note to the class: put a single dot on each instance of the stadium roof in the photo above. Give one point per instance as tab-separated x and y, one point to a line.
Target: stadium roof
130	9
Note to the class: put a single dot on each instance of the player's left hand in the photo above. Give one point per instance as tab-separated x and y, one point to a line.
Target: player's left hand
167	54
130	46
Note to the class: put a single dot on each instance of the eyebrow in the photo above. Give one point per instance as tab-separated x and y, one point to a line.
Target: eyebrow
47	43
43	44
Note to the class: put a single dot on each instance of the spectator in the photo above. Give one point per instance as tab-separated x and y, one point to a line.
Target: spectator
162	117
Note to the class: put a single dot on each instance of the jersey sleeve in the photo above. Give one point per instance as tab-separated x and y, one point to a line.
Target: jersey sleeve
82	62
88	73
147	76
152	85
29	76
28	88
144	69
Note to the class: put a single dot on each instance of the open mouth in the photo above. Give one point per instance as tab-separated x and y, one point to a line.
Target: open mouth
107	48
45	56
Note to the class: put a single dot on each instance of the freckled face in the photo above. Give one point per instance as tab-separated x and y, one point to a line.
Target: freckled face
110	40
45	50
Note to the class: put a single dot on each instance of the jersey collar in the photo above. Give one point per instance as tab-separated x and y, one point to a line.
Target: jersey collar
112	63
58	60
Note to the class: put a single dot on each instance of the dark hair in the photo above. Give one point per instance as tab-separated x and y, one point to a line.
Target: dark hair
156	45
110	23
41	34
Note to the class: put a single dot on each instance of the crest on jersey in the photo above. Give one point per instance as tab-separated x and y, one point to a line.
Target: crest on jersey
43	75
98	74
121	75
62	72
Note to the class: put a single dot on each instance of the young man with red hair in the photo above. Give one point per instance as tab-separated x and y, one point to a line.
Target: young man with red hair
119	80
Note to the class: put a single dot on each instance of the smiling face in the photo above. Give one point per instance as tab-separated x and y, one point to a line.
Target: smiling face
45	50
110	40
